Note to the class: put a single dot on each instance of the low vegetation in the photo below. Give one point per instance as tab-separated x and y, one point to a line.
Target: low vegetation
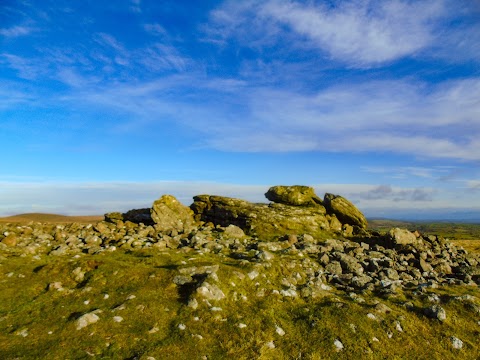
142	313
172	283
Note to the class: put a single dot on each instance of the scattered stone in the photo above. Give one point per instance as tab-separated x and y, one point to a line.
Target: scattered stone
233	231
338	345
22	333
398	326
210	292
10	240
279	330
55	286
242	325
436	312
78	274
87	319
181	326
270	345
456	342
399	236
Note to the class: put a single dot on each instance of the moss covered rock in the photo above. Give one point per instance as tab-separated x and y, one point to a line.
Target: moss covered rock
344	210
295	195
264	220
169	214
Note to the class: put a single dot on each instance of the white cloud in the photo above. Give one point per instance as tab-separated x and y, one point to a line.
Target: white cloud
155	29
473	184
100	197
391	116
74	198
404	172
16	31
28	69
364	32
360	33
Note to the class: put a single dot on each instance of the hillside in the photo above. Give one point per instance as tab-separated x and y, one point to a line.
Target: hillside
50	218
172	282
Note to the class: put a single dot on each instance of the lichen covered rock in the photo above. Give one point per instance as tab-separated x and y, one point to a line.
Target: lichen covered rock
344	210
265	220
169	214
296	195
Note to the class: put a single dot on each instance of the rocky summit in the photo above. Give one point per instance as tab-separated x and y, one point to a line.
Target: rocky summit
159	282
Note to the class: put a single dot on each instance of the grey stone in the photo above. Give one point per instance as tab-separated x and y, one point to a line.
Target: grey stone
169	214
296	195
456	342
436	312
344	210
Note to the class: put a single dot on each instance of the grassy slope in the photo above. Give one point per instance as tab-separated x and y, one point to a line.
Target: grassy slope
151	318
49	218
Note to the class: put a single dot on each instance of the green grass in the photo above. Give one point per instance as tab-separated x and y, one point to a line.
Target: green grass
452	231
151	318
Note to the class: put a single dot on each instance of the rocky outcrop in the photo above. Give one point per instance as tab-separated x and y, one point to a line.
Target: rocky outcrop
263	220
295	210
344	210
296	195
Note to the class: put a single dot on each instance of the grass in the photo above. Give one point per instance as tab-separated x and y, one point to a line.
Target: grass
452	231
151	317
49	218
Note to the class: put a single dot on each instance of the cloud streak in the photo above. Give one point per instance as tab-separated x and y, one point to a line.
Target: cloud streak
360	34
72	198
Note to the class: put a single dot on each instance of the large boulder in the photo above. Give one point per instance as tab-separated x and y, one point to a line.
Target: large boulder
398	237
295	195
344	210
169	214
263	220
136	216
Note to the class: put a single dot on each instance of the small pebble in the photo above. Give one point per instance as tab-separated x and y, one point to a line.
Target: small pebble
456	342
338	344
117	319
270	345
279	330
182	326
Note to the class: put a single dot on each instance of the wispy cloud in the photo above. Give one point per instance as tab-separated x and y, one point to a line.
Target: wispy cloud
28	69
16	31
100	197
155	29
404	172
135	6
359	34
397	117
473	185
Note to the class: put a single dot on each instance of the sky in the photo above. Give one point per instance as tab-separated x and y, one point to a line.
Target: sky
107	105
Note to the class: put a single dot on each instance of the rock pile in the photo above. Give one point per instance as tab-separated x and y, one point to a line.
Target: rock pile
326	239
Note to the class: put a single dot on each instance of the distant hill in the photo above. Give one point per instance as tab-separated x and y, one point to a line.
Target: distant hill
50	218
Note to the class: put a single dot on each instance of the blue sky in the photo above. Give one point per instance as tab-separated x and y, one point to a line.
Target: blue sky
106	105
